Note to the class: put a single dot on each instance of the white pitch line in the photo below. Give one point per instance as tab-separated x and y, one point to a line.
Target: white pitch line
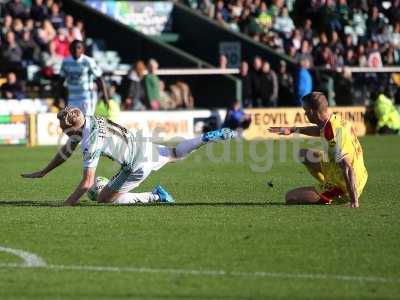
30	259
215	273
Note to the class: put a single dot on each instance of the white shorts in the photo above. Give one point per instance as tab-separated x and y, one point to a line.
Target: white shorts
87	106
156	156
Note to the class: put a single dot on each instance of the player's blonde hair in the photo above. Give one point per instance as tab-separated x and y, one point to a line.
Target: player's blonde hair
71	117
316	101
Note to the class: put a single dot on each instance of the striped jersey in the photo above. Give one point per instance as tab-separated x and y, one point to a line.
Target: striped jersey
80	75
102	137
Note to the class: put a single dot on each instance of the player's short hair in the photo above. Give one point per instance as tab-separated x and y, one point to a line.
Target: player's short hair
76	43
71	117
316	101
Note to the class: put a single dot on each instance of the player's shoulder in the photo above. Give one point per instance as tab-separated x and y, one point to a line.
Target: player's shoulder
88	59
334	126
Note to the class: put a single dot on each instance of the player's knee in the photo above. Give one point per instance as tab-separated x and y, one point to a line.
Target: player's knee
291	198
105	196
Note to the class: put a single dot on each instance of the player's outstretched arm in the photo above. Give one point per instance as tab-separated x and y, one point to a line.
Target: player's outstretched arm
308	130
348	174
85	184
61	156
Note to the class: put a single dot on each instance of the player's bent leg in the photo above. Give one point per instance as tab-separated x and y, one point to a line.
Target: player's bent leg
303	195
117	189
107	195
312	161
159	194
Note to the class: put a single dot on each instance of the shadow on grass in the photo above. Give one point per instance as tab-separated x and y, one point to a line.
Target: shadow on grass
94	204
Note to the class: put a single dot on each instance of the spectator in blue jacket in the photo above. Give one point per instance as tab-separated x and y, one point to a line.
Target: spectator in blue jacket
304	83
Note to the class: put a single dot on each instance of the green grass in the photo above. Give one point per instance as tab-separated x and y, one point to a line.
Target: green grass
226	218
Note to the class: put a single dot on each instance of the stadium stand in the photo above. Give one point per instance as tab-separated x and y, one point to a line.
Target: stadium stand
342	33
35	38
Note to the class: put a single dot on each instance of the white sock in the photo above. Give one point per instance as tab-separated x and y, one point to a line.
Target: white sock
186	147
130	198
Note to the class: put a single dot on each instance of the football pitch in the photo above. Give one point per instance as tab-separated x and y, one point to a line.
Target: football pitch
228	236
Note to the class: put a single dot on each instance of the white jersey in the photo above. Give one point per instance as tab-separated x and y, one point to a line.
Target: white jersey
80	75
102	137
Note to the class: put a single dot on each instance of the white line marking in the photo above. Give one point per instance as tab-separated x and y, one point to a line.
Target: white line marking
30	259
216	273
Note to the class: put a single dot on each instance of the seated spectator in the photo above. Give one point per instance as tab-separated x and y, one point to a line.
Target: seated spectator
181	95
207	7
18	28
166	101
39	11
16	9
29	25
45	34
51	62
388	117
375	22
248	24
152	85
80	26
30	50
305	52
308	33
236	118
6	26
335	43
374	56
56	16
12	52
12	89
73	31
284	23
61	43
221	11
188	101
264	19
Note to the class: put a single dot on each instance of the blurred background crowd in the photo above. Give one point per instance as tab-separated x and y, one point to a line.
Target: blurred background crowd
316	34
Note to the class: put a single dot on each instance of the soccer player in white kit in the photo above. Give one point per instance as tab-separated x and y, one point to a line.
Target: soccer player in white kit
137	156
80	72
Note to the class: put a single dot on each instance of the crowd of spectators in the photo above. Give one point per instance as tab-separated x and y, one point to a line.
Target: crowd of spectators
264	87
318	33
328	34
36	35
40	35
142	89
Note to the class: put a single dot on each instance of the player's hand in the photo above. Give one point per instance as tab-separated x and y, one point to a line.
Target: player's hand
281	130
38	174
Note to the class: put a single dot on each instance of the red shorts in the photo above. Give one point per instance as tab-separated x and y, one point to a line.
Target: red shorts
329	195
